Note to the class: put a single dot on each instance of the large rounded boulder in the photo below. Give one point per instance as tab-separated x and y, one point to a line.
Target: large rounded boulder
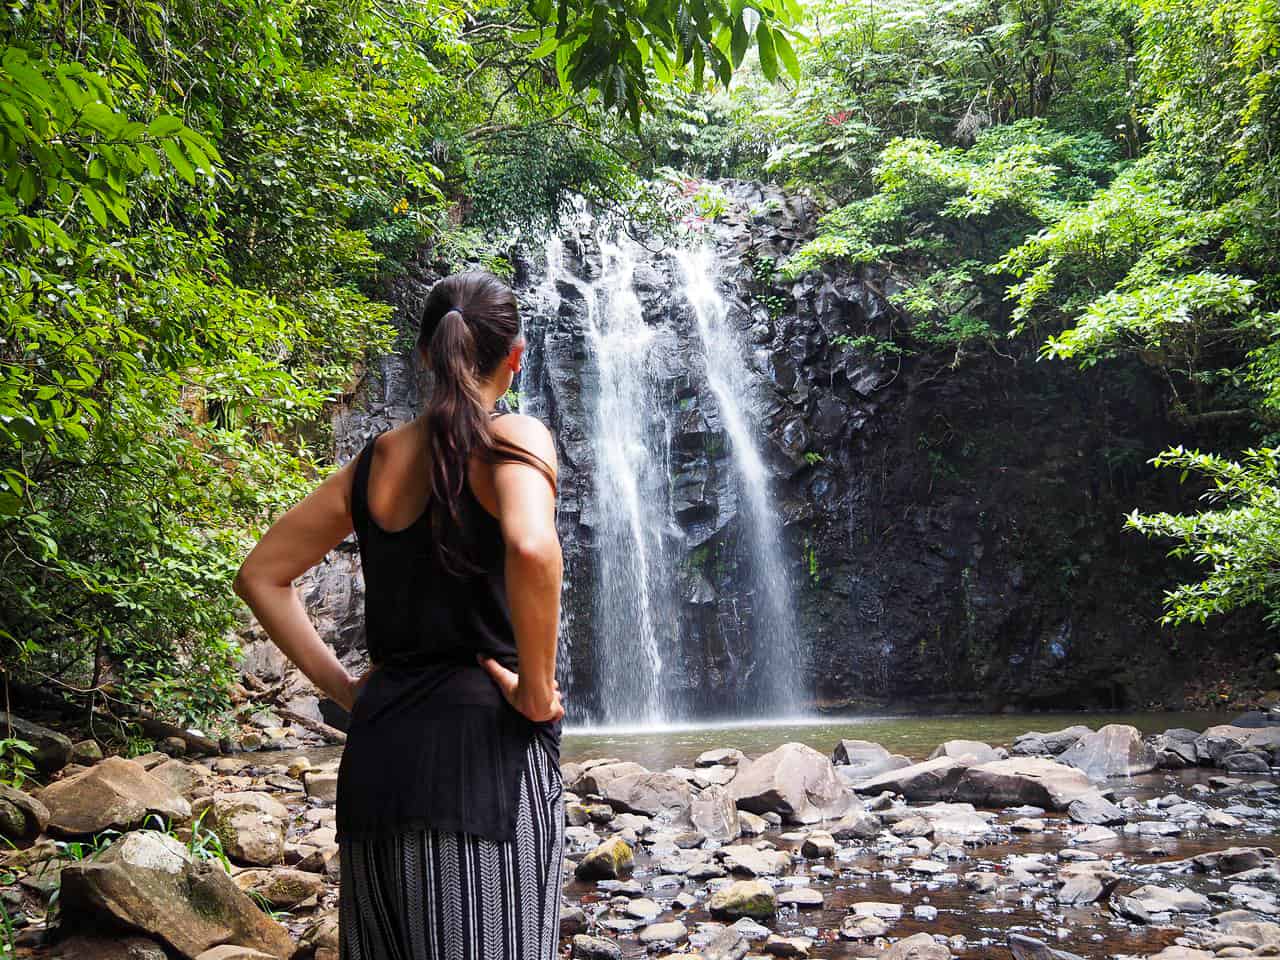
794	781
1116	750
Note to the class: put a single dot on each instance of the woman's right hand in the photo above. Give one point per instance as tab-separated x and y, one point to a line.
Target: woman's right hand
508	682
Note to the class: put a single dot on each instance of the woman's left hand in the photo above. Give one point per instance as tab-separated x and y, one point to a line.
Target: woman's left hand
355	685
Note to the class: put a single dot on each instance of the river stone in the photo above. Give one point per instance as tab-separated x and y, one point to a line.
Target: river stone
920	946
1232	859
794	781
1035	743
1028	948
720	757
1246	761
713	776
806	898
744	898
857	825
1038	780
22	817
148	882
1165	900
1080	889
1217	741
779	946
744	858
1116	750
251	826
662	796
52	749
860	759
229	951
185	778
818	845
979	751
1094	834
714	814
930	780
280	887
594	948
608	861
108	948
595	777
1173	753
1094	808
116	793
726	944
672	931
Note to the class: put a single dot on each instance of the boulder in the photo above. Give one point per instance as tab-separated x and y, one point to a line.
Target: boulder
931	780
979	751
108	948
147	882
22	817
251	826
744	898
662	796
1035	780
1155	899
1094	808
1028	948
1116	750
920	946
857	824
115	793
744	858
793	781
53	750
595	777
1173	753
583	947
280	887
86	752
1217	741
1232	859
720	757
185	778
860	759
715	815
227	951
608	861
669	931
1035	744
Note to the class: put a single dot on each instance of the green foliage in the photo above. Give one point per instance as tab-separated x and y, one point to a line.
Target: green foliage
942	215
1237	539
1175	262
16	766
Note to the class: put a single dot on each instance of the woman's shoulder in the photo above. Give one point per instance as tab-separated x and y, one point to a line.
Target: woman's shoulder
527	432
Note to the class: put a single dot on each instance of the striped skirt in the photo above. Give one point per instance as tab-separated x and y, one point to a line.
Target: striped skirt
424	894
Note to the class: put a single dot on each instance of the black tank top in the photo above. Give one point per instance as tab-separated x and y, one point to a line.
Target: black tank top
431	741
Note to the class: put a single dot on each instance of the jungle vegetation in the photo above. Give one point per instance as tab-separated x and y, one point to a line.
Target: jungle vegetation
201	202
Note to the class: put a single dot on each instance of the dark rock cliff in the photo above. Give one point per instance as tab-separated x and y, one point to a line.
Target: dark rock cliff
952	525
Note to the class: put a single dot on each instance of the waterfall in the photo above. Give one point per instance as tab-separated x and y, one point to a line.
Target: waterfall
776	644
611	360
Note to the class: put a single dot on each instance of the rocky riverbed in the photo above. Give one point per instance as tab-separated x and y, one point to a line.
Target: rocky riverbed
1088	842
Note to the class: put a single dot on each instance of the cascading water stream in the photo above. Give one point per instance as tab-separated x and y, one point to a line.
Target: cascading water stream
625	370
776	642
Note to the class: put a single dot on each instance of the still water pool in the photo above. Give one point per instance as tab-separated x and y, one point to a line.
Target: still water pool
677	745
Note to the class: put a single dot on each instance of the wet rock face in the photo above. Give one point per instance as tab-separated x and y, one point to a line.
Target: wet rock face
943	513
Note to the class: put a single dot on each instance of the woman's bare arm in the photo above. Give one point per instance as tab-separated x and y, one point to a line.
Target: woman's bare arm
297	541
534	569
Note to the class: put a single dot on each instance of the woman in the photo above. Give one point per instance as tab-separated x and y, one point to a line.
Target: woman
449	810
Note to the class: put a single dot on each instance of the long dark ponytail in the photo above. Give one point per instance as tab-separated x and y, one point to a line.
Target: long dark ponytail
469	324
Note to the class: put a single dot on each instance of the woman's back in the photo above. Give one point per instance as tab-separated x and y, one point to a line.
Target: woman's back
418	610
